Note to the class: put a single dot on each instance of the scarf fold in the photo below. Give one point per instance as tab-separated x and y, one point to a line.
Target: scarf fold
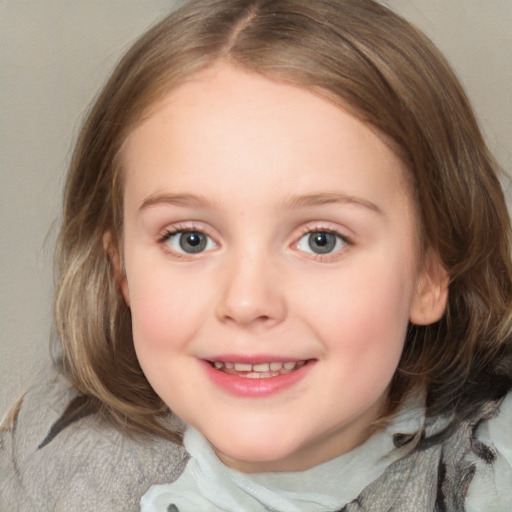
208	485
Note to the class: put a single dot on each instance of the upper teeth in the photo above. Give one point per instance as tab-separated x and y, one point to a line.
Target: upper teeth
261	367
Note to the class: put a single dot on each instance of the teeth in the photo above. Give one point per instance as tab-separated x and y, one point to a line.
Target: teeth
243	367
256	370
265	367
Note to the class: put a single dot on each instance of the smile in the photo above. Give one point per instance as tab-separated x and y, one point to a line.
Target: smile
258	371
256	379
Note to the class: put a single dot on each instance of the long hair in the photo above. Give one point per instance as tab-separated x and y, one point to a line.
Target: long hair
364	58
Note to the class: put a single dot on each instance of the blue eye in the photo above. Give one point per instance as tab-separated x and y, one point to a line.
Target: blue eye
320	242
189	242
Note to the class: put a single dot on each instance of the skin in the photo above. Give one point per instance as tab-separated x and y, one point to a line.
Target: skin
256	166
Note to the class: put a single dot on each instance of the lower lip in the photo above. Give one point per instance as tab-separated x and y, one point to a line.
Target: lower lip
259	387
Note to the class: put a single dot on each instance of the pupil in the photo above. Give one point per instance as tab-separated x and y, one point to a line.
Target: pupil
322	242
192	242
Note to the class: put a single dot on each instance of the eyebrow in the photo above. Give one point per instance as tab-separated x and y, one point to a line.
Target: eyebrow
312	200
185	200
290	203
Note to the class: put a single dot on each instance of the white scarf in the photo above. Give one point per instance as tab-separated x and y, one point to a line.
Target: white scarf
208	485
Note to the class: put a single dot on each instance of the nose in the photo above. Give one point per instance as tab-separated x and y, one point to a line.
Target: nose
250	293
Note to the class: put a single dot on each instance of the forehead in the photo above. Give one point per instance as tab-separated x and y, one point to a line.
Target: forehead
230	125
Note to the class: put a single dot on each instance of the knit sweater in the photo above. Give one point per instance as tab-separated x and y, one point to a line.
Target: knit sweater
91	466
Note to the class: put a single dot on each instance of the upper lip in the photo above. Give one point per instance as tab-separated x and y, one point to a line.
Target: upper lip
253	359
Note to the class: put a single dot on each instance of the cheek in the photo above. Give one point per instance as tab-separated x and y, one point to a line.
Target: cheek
163	323
364	311
161	306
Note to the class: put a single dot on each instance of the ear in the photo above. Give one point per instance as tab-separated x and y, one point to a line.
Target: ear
431	294
112	249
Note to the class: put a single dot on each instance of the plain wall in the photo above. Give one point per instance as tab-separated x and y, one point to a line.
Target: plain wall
55	54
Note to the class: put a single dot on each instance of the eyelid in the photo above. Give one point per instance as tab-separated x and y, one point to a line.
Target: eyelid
310	227
325	227
328	227
183	227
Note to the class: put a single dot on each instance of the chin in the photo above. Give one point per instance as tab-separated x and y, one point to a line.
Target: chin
256	452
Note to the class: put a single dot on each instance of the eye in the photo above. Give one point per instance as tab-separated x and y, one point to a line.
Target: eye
321	242
189	242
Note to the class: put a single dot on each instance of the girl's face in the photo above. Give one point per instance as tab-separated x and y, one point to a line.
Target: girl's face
271	267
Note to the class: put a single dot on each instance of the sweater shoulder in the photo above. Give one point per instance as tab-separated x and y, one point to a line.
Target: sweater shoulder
89	465
490	489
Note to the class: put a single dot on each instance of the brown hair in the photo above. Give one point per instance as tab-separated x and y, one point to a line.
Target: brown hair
363	57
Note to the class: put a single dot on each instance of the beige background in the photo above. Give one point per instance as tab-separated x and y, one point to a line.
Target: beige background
55	54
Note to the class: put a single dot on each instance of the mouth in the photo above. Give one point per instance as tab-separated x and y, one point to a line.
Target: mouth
258	371
256	377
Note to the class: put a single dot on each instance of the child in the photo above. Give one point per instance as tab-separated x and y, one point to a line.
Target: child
281	223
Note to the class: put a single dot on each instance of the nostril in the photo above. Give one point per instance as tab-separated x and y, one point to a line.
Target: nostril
247	305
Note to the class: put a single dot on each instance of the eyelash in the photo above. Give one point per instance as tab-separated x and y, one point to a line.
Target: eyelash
327	257
168	234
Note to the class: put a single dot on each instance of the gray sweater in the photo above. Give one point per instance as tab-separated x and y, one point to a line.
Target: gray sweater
88	467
